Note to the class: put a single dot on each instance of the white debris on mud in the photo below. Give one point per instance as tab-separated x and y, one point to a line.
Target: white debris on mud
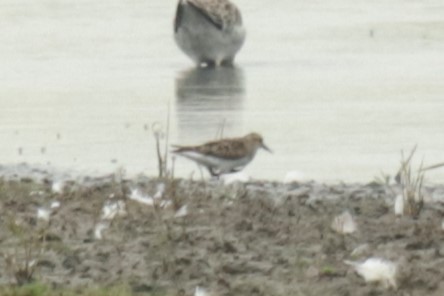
360	250
160	190
158	200
376	270
113	209
399	205
269	229
199	291
55	204
43	214
98	230
58	186
344	223
182	212
137	195
240	177
295	177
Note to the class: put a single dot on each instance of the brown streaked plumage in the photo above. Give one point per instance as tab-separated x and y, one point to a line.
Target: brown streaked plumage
226	155
222	13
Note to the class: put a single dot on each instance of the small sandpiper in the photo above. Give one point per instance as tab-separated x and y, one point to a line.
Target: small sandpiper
210	32
226	155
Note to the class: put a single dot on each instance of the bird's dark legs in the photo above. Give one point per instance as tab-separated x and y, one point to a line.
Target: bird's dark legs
228	62
213	173
208	64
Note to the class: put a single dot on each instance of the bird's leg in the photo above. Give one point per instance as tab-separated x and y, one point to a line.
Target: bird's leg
229	62
213	173
208	64
235	170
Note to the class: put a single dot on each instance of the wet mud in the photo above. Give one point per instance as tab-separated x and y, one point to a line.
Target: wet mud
256	238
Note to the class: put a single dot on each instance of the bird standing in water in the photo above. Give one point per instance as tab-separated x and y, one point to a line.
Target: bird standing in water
210	32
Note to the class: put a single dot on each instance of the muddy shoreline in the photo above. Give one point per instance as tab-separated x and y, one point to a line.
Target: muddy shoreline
254	238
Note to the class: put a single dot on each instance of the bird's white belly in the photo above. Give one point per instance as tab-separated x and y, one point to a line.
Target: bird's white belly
221	164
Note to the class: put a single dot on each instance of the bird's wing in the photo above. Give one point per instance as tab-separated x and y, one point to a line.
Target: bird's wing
179	148
221	13
229	148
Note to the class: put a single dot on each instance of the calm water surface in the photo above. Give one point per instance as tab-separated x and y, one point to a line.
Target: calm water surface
337	89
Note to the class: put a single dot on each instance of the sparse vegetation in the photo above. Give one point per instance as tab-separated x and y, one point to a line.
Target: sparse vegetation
382	179
412	182
162	158
328	271
29	239
411	185
39	289
256	238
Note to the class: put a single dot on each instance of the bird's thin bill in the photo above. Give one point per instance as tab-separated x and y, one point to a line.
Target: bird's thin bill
266	148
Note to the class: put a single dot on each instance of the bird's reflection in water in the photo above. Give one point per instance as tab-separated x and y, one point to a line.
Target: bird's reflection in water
208	98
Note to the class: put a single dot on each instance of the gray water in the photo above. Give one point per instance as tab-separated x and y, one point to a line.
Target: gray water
337	89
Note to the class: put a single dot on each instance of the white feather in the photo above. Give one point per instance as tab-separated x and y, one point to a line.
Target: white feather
200	291
43	214
376	270
165	203
32	263
57	187
344	223
136	195
160	191
112	209
399	205
55	204
360	250
99	229
239	177
182	212
37	193
295	177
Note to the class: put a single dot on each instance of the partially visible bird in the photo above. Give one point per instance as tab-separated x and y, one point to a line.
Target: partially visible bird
210	32
226	155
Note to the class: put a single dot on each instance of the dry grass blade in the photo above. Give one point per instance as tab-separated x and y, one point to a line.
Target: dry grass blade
409	159
432	167
157	135
31	244
220	130
411	185
167	137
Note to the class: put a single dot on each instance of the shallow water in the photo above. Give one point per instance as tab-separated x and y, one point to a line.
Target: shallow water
336	89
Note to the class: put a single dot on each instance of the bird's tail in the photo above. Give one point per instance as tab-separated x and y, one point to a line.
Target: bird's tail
178	148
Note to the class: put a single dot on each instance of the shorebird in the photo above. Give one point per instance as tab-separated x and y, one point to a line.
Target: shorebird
210	32
226	155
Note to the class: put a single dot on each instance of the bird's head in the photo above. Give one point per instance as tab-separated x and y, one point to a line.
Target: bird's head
257	141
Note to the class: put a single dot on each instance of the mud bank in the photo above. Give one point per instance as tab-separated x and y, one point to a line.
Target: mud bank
256	238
